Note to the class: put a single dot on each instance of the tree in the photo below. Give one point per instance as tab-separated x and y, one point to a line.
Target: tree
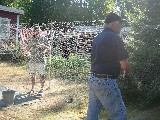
38	11
6	2
19	4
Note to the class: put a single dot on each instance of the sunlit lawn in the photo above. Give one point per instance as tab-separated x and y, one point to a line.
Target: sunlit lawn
53	105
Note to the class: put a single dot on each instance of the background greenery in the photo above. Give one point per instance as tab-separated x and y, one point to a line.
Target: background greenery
40	11
144	47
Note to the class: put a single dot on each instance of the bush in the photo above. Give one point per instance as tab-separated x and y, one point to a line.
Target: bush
18	56
75	68
130	92
15	56
146	64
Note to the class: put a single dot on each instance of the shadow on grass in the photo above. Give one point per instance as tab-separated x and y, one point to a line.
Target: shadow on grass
19	99
24	98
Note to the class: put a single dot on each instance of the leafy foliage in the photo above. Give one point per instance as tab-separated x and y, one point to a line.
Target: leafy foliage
18	57
40	11
144	47
75	68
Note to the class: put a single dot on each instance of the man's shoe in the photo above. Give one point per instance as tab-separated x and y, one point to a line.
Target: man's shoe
40	93
31	92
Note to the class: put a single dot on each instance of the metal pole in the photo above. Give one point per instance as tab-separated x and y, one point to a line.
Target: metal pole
50	43
50	65
17	29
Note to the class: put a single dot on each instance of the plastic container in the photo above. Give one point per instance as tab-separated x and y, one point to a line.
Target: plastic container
8	97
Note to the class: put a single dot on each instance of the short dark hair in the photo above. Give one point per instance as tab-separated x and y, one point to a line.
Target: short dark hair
36	28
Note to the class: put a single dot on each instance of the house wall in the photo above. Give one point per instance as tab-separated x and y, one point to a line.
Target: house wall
9	15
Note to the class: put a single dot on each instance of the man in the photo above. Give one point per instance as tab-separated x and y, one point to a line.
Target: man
108	60
37	48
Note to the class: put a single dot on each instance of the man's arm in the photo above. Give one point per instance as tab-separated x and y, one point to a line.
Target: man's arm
28	48
125	66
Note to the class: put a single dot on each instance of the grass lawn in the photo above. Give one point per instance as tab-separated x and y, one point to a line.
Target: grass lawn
53	105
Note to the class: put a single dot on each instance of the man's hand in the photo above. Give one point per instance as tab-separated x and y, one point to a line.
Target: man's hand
47	50
125	67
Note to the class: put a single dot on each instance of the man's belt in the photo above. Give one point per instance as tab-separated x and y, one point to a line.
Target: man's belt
103	75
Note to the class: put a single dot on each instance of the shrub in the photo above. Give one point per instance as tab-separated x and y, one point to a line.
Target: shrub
18	56
145	60
74	68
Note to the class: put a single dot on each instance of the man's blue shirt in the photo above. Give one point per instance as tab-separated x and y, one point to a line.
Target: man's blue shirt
107	50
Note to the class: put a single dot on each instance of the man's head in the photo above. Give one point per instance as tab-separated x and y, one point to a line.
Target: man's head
36	30
114	22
